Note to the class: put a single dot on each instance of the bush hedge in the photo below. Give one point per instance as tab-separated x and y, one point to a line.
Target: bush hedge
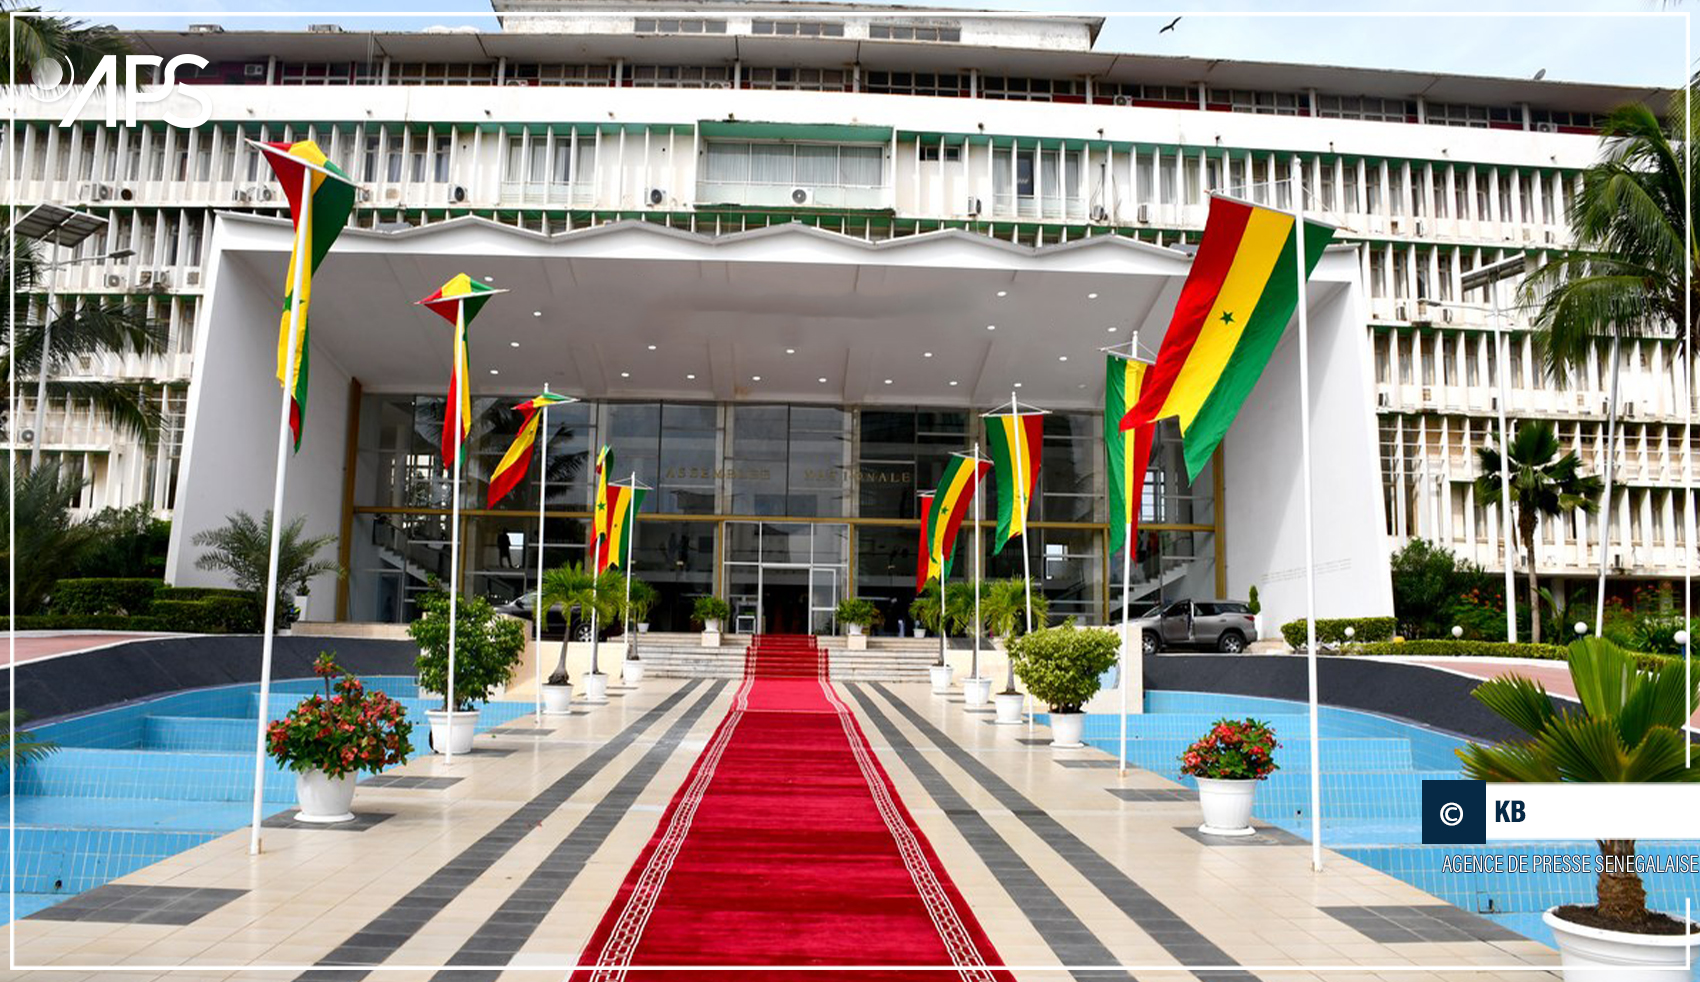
104	595
1436	647
1333	630
214	615
85	622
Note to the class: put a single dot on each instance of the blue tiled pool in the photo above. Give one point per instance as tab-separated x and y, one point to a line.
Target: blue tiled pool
137	783
1372	773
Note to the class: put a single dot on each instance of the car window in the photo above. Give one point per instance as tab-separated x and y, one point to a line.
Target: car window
1177	609
1232	609
1206	610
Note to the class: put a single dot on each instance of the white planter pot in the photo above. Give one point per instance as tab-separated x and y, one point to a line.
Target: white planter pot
558	699
1590	954
1066	729
452	732
855	642
643	627
711	625
323	798
631	671
853	630
1226	806
941	677
595	687
1009	707
301	602
1257	625
920	632
976	692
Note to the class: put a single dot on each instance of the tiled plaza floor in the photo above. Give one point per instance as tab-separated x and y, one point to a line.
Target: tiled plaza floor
510	863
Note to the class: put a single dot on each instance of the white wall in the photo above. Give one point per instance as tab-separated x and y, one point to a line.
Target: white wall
1264	501
230	447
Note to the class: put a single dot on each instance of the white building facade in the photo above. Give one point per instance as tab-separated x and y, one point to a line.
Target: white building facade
866	128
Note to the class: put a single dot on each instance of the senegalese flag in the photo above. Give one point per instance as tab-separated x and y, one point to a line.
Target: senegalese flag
623	505
514	464
1015	440
458	301
599	507
324	212
956	490
924	569
1242	290
1128	451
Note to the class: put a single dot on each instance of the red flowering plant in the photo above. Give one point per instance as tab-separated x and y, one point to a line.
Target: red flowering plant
347	729
1233	750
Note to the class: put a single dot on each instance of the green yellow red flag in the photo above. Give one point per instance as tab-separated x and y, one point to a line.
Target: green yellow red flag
1015	440
323	212
513	466
957	487
599	508
458	301
1128	451
1238	297
624	502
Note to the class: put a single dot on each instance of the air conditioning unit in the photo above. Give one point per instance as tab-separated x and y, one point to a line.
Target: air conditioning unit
518	81
802	197
1395	224
86	191
1123	100
114	281
1428	394
103	192
1400	313
1545	128
365	195
1425	313
974	206
1446	314
392	194
1144	214
719	85
26	436
144	277
192	278
1528	234
254	71
656	197
1383	400
162	280
1493	404
457	194
1629	410
1422	227
1100	213
1551	237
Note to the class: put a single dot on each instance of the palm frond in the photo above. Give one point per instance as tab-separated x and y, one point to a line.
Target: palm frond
1522	702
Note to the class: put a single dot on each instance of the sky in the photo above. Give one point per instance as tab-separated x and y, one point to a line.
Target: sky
1627	42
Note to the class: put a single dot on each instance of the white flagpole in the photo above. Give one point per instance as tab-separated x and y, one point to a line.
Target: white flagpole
1310	532
461	393
1127	651
301	260
1019	481
979	512
631	535
538	612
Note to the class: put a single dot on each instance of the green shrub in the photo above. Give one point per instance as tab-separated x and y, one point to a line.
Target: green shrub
710	609
81	622
1252	603
487	647
1429	582
858	611
214	615
242	612
1333	630
1658	634
104	595
1061	665
125	542
1436	647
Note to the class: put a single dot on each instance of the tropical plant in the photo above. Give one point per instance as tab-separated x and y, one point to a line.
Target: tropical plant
1629	729
599	598
710	609
20	743
928	612
1428	580
48	541
77	328
128	542
1003	603
242	548
29	39
959	610
1252	604
858	611
1233	750
487	647
341	732
1061	666
642	600
1542	483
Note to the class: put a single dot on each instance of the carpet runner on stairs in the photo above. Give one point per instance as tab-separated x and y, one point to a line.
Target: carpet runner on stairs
787	845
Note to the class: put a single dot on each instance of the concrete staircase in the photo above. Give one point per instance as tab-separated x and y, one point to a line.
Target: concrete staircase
885	660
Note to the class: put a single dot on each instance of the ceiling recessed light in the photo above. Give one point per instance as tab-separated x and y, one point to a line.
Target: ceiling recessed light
888	381
821	380
926	354
1062	358
1091	296
755	378
1003	293
625	374
489	279
513	344
494	372
537	313
1081	385
991	327
690	376
1114	330
790	351
652	347
1018	385
953	381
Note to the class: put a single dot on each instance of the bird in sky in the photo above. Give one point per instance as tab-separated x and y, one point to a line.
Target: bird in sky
1169	26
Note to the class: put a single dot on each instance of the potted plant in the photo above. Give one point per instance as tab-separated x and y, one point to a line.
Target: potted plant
710	612
856	614
1061	666
594	600
642	600
1005	608
1630	728
1255	606
488	647
929	616
302	597
242	548
1227	762
326	740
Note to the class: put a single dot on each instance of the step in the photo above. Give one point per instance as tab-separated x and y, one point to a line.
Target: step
60	862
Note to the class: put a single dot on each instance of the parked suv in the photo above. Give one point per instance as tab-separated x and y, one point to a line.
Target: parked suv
1220	625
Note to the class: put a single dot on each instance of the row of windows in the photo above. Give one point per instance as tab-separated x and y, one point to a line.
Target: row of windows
955	85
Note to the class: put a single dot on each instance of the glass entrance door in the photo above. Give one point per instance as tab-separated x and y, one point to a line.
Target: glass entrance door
785	577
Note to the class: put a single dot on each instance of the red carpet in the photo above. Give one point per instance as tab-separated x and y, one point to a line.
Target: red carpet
787	845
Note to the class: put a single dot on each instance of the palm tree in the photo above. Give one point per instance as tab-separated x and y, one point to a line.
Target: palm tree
1542	483
242	548
61	39
1626	275
50	541
22	743
1629	729
572	586
92	327
1005	607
